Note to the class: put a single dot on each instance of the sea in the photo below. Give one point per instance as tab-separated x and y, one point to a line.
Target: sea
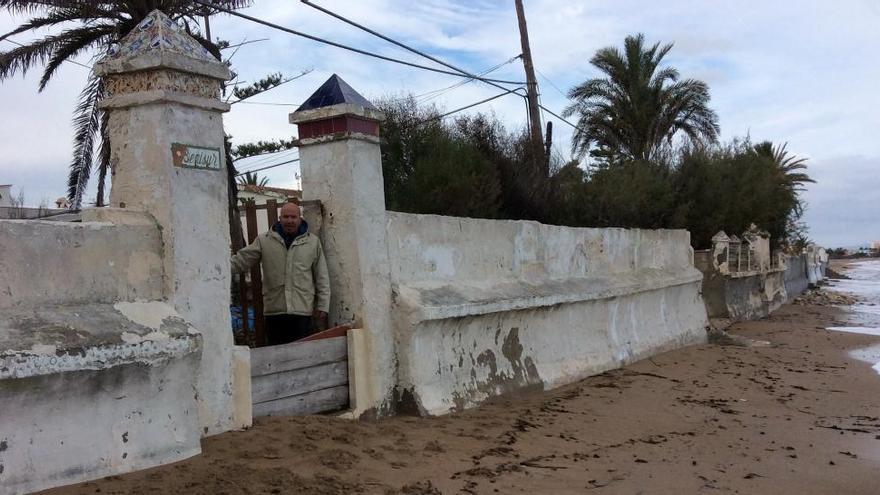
864	316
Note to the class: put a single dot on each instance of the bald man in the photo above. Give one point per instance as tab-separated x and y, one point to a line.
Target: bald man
296	285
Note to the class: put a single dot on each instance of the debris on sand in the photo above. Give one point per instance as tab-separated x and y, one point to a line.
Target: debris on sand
820	297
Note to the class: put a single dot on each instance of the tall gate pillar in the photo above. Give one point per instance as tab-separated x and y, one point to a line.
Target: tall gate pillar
162	96
342	167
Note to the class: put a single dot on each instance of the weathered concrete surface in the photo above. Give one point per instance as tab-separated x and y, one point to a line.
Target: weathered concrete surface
744	295
125	368
345	174
190	208
45	263
796	280
487	307
115	342
817	261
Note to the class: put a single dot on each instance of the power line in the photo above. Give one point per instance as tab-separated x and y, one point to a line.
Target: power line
66	60
460	71
551	83
248	42
268	167
269	103
499	95
285	81
439	92
259	161
558	117
340	45
422	96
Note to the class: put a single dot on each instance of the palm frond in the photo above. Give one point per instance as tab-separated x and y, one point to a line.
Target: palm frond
75	41
103	159
86	123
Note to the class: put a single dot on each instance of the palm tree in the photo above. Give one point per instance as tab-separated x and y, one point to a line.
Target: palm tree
789	168
251	179
638	106
88	26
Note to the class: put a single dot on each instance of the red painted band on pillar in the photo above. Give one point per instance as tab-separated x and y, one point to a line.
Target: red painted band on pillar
337	125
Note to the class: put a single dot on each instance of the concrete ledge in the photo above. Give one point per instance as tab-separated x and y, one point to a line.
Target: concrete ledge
61	339
436	300
93	390
161	96
456	363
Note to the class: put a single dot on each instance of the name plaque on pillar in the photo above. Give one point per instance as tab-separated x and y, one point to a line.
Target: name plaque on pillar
197	157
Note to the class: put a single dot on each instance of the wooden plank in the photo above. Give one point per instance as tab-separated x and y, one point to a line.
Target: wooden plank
256	278
243	302
340	331
298	382
271	212
297	355
329	399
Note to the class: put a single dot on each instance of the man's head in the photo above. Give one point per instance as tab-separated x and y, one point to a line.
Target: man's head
290	218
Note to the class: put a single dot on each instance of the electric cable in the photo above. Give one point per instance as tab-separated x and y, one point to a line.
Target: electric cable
345	47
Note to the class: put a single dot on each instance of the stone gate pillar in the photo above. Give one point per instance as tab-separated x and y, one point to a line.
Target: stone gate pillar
342	167
162	96
721	252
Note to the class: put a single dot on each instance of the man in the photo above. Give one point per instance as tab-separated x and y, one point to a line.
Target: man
296	285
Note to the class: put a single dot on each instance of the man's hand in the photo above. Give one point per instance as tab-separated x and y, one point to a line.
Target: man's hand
320	318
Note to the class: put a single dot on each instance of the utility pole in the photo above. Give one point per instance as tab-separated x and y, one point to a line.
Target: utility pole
531	87
207	14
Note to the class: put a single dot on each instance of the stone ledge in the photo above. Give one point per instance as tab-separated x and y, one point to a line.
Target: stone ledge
127	100
437	301
753	273
43	341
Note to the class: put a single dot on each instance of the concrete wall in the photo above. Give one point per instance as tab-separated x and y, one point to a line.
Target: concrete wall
46	263
92	390
796	280
485	307
96	370
744	295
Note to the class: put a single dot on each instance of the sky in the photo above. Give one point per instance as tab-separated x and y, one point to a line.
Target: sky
798	71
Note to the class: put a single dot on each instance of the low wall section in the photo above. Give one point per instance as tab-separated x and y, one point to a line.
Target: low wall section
97	372
796	278
484	307
45	263
749	295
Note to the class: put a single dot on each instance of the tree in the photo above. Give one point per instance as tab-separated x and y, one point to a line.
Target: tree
88	27
638	106
251	179
789	169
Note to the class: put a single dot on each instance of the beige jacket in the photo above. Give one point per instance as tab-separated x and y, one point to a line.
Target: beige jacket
295	280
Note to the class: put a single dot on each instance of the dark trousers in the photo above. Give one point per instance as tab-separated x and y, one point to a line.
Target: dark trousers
283	329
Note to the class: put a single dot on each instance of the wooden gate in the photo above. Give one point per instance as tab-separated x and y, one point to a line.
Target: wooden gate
308	376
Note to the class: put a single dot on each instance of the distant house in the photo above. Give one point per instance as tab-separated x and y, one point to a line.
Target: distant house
12	207
5	195
260	195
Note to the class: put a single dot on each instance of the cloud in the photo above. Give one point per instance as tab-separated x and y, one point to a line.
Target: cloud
843	204
793	71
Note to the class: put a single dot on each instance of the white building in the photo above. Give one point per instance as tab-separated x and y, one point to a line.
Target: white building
260	195
5	195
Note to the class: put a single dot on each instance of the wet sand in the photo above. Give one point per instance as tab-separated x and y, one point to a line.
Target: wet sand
799	416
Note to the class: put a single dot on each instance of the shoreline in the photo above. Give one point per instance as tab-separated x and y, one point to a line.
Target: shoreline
798	416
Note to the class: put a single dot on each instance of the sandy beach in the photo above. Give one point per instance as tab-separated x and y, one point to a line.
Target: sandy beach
799	415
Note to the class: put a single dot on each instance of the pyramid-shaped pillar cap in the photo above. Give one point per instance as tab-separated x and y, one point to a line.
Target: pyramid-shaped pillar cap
335	98
721	236
157	42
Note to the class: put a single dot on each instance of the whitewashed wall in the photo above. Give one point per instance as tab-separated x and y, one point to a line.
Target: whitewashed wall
484	307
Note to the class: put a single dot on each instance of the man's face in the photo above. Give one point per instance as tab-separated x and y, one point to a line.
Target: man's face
290	218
